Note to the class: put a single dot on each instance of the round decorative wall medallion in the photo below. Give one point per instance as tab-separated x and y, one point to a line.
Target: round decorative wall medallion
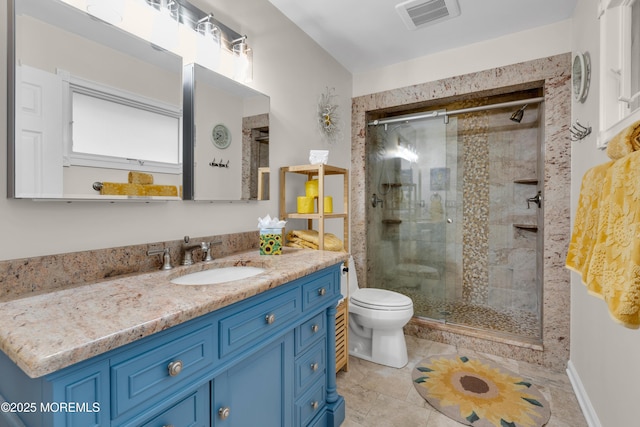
220	136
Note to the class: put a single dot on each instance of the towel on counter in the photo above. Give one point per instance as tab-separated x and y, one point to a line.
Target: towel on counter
605	244
140	178
310	239
625	142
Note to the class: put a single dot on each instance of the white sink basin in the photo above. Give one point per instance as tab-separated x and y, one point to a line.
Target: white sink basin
217	275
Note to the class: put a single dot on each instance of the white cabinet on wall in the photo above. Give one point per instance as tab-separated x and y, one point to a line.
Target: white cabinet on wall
619	66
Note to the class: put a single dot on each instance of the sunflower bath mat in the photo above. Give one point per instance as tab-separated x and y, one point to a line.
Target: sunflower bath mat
480	393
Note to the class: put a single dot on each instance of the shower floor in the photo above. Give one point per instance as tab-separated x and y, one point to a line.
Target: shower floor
509	321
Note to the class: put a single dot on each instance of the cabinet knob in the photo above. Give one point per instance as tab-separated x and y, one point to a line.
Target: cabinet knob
314	405
224	412
315	328
322	291
175	367
314	366
270	318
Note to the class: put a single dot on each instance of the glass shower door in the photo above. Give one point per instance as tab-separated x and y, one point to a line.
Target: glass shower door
413	218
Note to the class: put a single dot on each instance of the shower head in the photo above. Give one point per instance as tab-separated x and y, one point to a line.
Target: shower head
517	116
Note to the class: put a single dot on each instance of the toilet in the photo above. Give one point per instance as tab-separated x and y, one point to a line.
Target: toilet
376	319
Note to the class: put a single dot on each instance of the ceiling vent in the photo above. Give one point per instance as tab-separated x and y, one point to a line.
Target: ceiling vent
420	13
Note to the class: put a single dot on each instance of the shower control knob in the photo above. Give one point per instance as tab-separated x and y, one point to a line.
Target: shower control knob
537	199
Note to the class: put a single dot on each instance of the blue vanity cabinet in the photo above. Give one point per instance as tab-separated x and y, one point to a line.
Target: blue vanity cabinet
264	361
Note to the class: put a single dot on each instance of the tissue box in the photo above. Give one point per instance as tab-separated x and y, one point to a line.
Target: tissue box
318	157
271	241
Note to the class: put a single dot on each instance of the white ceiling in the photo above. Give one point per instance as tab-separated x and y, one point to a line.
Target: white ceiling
367	34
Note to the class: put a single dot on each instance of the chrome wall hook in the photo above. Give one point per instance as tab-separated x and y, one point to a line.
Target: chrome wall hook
220	164
579	132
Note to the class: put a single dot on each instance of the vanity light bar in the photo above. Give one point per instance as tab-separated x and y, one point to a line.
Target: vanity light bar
190	15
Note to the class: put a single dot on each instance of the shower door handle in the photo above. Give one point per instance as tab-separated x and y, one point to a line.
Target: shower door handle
375	200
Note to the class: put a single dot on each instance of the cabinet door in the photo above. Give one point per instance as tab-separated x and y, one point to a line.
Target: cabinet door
80	398
191	411
258	391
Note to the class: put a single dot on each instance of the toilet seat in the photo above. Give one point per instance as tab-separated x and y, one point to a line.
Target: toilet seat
380	299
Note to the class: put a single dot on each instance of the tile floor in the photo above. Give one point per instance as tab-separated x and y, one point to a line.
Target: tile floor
379	396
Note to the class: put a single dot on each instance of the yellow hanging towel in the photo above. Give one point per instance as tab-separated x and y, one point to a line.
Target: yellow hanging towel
605	244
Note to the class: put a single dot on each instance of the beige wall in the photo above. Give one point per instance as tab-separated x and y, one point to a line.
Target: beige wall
604	355
288	66
524	46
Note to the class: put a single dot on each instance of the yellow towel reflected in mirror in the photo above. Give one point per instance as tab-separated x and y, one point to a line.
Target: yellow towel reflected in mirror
140	178
138	190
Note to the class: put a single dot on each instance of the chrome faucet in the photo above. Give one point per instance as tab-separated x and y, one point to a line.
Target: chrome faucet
188	248
206	247
166	257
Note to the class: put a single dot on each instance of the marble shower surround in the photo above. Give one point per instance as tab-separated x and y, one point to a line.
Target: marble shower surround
251	155
553	75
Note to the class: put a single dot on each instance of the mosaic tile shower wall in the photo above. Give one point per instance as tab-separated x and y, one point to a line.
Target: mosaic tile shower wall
473	136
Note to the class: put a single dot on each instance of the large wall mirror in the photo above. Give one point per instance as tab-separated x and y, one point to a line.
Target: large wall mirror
98	111
226	138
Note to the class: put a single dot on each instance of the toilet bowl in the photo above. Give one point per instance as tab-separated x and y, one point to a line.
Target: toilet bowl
376	319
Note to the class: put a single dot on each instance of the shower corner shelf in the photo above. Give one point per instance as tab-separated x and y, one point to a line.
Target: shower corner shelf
532	181
398	184
531	227
392	221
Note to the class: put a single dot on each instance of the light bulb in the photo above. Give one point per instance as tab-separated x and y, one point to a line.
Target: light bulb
242	62
208	45
166	27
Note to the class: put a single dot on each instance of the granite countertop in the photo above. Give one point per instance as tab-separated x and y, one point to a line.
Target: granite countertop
47	332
